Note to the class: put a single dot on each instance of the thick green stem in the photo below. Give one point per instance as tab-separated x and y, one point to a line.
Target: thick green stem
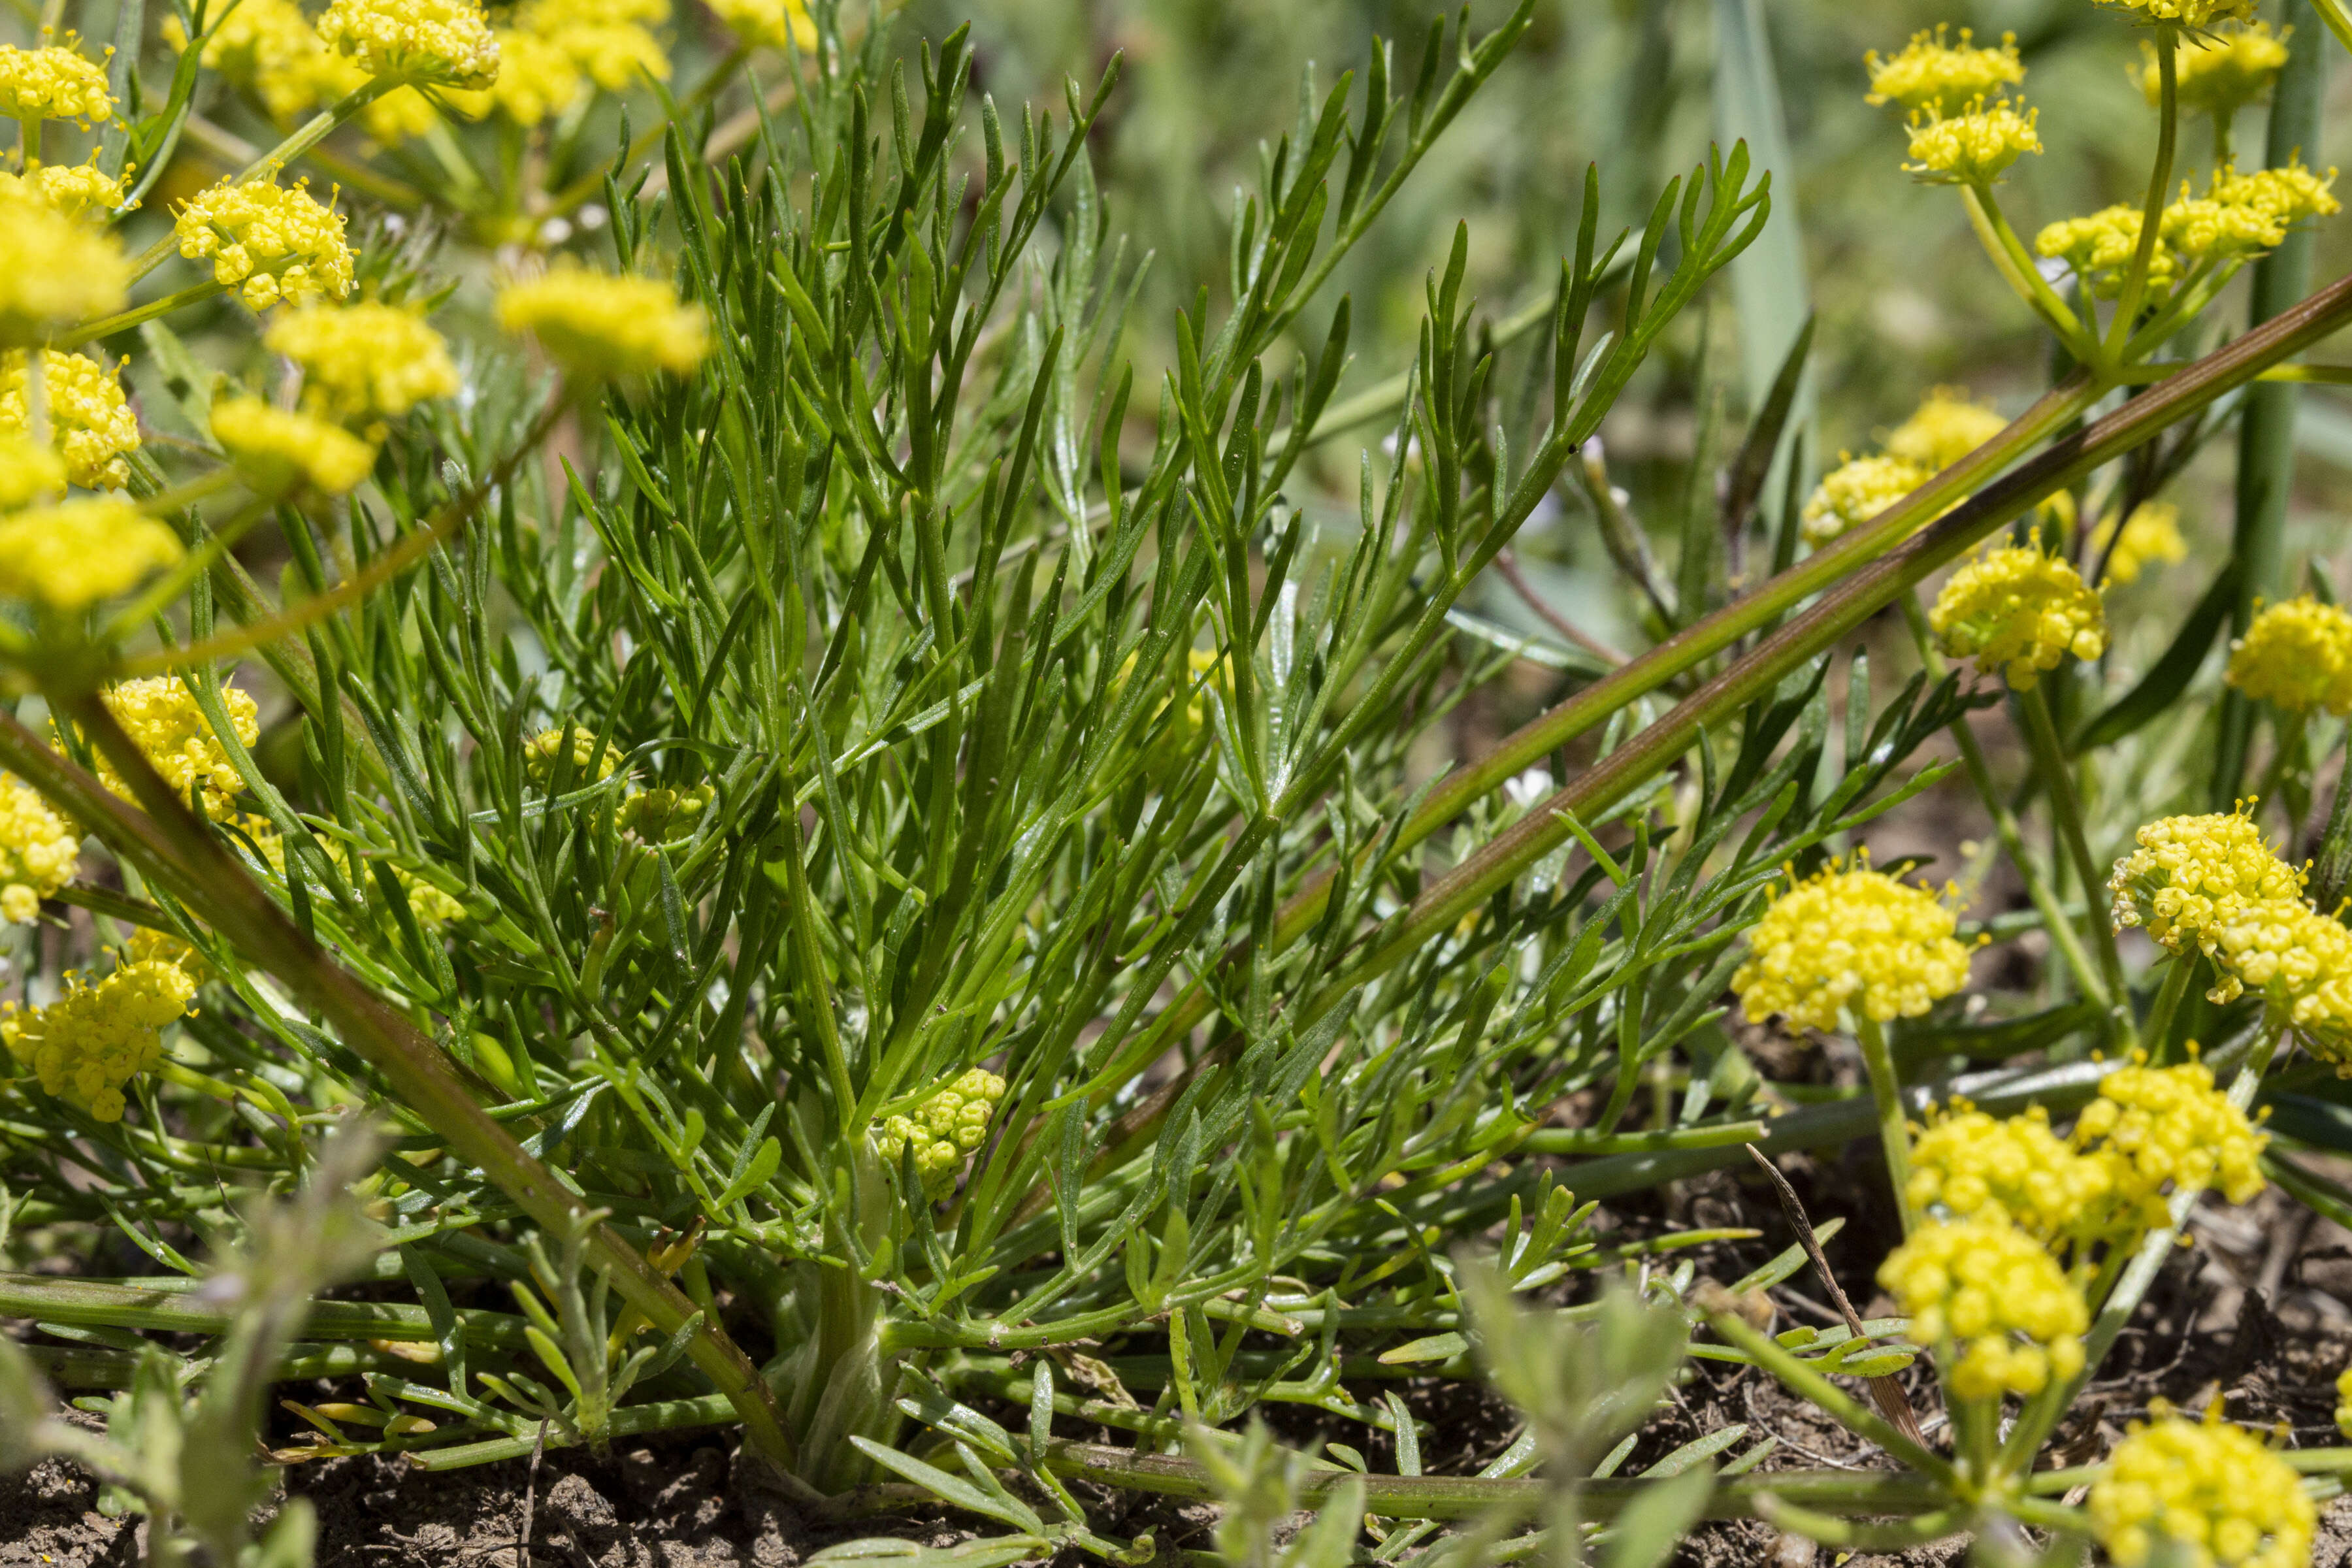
1886	1099
178	853
2066	807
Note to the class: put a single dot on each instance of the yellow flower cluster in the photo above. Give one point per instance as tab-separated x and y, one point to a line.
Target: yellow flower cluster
2296	655
774	23
70	556
2168	1128
38	846
55	270
2299	961
2218	73
1855	938
1972	148
2190	875
1942	430
268	48
2192	14
540	755
52	83
444	42
2020	611
159	713
28	470
2239	215
72	189
271	242
277	452
91	1041
2002	1300
147	944
362	362
664	815
595	325
943	1129
90	422
2151	536
2100	248
1927	73
2214	1491
556	49
1968	1165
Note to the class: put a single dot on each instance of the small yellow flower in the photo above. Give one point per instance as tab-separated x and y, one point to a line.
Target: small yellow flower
2191	874
73	189
773	23
2243	215
2100	248
2151	536
2299	961
2214	1491
446	43
362	362
55	270
1855	938
1945	428
159	713
542	750
28	470
272	242
2009	1309
945	1127
70	556
2018	611
1974	147
1854	493
595	325
147	944
91	1041
2296	656
1968	1165
2164	1130
538	80
52	83
277	452
2218	72
1930	73
90	423
38	846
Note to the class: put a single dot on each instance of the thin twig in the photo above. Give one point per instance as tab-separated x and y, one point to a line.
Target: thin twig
1893	1403
530	1497
1509	565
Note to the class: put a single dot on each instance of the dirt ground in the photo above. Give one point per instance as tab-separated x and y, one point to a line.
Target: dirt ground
2256	1310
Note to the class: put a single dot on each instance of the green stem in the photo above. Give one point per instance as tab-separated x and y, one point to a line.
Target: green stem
1886	1099
2159	181
1812	1384
2063	934
91	332
2058	782
2017	269
2168	998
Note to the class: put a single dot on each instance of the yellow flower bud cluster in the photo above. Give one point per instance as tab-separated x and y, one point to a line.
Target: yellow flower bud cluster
2218	72
444	42
69	557
774	23
72	189
2300	961
55	270
147	944
1944	429
1850	939
556	48
1929	73
2296	655
2192	14
2160	1130
277	451
39	846
2020	611
2009	1311
91	1041
2190	875
2150	537
540	753
2216	1491
943	1129
2239	215
159	713
1975	147
596	325
663	815
362	362
270	49
1967	1165
90	422
270	242
56	83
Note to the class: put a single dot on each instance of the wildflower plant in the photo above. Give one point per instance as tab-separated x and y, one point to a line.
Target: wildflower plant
862	814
